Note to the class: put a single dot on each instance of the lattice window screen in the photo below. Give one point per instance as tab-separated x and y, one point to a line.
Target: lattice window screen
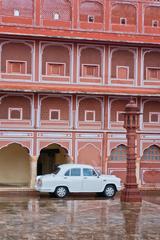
152	153
61	7
119	153
25	7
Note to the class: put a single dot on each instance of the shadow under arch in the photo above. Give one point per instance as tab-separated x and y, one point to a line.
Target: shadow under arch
50	157
14	166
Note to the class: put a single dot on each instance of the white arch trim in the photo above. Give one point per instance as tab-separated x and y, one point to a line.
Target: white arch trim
15	95
125	3
55	96
150	51
90	97
18	41
94	1
123	49
101	50
43	46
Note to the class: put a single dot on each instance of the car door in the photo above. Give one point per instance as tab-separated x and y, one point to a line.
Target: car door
73	179
91	181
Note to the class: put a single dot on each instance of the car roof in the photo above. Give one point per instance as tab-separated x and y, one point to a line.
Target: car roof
72	165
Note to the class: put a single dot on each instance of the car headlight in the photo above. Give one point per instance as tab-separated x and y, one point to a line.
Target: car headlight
122	184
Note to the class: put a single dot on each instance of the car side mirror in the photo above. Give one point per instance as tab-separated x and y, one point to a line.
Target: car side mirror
98	173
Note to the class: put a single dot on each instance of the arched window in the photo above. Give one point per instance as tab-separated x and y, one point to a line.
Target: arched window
151	153
119	153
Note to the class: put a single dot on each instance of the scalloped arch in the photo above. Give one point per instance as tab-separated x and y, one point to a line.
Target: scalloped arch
17	143
54	143
151	145
116	146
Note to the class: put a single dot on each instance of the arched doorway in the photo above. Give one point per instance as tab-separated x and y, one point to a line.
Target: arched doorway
14	166
50	157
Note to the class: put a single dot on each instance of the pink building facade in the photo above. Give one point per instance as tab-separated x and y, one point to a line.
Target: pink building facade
68	68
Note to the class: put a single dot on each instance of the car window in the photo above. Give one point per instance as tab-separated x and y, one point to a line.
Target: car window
89	172
67	173
76	172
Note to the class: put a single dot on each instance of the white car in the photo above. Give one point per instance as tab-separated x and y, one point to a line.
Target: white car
76	178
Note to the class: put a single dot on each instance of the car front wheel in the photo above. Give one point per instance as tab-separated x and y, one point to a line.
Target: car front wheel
109	191
61	192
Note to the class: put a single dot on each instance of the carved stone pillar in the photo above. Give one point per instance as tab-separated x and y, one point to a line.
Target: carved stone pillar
131	193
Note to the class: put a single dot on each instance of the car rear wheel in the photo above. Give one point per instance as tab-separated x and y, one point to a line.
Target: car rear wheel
61	192
109	191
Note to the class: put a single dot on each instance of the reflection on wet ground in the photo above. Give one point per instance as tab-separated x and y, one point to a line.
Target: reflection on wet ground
73	218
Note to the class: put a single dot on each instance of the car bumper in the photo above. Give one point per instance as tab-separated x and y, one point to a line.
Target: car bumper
119	188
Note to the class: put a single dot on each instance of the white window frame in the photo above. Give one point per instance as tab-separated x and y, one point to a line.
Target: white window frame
85	116
155	21
147	73
122	18
16	12
117	116
16	61
97	65
54	110
92	17
117	69
55	15
15	109
150	116
55	63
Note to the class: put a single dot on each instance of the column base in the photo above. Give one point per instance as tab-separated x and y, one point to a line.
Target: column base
131	194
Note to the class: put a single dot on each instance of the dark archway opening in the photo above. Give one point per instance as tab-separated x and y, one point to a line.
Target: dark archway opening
50	157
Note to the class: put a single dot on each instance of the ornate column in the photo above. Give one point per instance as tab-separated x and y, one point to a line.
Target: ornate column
131	193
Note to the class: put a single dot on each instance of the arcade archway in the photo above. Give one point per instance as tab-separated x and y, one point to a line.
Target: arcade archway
14	166
50	157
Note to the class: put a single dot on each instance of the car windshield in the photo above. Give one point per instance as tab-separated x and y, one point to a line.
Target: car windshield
56	170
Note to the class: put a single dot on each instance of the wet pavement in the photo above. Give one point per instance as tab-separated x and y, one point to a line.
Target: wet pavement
75	218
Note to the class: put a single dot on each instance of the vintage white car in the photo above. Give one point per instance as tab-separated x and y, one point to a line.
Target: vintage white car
76	178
